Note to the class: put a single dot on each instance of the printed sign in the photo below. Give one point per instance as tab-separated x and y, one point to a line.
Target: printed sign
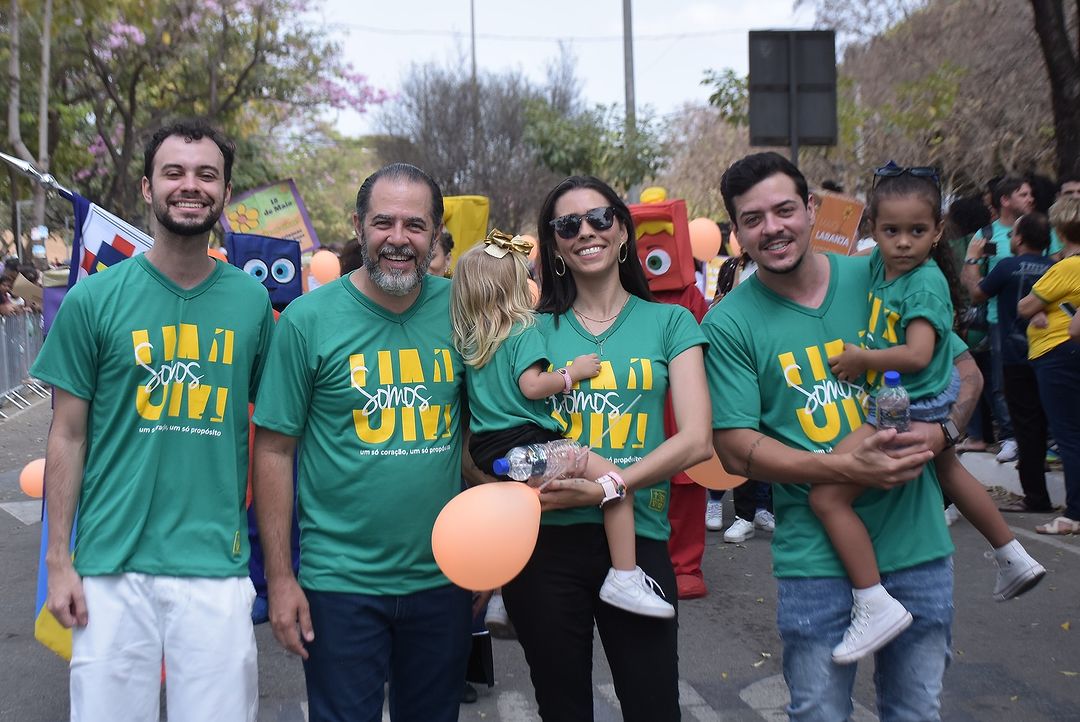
836	227
275	210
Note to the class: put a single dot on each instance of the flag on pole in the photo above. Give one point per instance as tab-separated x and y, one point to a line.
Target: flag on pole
101	240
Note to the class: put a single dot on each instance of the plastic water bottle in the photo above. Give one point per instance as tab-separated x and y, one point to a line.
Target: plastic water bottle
893	404
546	461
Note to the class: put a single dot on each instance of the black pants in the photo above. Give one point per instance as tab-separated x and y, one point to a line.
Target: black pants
1029	430
553	604
748	497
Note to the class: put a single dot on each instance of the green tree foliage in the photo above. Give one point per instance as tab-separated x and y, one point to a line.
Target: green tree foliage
731	95
123	67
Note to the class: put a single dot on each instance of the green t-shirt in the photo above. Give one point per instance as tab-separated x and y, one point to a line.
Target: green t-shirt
375	399
1055	243
922	293
636	350
168	373
768	370
1002	237
495	399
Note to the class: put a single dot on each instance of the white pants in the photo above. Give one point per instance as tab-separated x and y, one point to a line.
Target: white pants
202	627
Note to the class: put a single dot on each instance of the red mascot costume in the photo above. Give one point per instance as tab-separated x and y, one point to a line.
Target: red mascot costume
663	244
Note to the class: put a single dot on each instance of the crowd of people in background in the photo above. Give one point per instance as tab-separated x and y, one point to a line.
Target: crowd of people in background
361	394
11	302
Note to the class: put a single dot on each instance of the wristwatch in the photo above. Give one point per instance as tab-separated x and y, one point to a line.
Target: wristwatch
952	434
973	261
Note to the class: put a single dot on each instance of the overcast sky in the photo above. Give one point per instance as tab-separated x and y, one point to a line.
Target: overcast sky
674	41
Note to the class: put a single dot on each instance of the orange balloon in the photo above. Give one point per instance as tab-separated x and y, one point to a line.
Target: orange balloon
32	478
534	291
705	239
325	266
217	253
484	536
711	475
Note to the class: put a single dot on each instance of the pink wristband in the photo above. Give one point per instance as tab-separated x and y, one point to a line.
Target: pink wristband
568	383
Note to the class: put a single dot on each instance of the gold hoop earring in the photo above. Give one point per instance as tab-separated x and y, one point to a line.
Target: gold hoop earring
559	260
624	252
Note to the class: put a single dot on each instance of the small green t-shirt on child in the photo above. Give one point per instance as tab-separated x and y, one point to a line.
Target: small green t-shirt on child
495	399
168	373
922	293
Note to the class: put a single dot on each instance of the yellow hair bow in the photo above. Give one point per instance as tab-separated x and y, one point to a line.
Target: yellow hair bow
498	244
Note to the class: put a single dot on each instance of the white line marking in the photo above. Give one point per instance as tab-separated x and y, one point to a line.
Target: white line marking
695	704
514	706
769	698
1044	538
28	512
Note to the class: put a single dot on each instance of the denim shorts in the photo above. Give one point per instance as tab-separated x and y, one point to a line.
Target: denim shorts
934	409
812	615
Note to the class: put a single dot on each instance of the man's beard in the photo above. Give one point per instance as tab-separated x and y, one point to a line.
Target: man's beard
190	228
395	283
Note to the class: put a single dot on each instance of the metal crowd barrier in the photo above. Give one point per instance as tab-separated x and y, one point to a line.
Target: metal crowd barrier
21	337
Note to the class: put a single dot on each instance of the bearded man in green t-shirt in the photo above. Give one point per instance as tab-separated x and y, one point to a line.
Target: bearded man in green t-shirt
364	380
778	412
153	362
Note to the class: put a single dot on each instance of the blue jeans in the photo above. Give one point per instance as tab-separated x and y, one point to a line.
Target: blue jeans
812	615
1058	375
997	383
420	642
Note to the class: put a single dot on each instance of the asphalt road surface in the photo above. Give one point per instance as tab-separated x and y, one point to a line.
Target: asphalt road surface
1018	660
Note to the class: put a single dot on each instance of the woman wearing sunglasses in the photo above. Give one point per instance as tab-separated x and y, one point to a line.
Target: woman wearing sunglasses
595	299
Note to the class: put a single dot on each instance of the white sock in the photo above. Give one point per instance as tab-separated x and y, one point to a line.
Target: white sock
1007	551
625	575
865	595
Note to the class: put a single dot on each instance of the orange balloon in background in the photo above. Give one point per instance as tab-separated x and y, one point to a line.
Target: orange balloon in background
705	239
484	536
32	478
325	266
711	475
217	253
534	291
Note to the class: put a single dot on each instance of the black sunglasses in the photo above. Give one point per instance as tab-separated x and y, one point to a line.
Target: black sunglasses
566	227
892	170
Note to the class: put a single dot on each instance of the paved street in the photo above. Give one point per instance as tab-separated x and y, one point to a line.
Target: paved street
1012	661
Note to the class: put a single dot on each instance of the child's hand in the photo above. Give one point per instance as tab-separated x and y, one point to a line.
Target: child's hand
586	366
850	364
1039	320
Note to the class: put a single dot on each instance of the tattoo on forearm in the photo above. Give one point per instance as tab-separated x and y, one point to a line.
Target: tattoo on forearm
966	400
748	469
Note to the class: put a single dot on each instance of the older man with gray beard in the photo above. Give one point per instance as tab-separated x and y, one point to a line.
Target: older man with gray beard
362	373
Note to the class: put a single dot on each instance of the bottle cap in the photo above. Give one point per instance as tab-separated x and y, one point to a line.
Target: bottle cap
501	467
892	379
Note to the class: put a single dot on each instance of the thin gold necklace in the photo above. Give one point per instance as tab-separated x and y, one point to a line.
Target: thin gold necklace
596	337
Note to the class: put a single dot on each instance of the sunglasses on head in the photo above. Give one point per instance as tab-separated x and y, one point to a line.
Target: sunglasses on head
892	170
568	226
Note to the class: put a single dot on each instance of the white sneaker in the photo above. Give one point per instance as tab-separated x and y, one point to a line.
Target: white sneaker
1009	452
714	515
874	623
497	620
1017	573
739	531
764	520
639	595
952	514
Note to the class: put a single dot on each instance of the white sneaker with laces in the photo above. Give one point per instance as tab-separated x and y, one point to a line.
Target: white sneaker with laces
874	623
1017	573
640	595
497	620
714	515
739	531
764	520
1009	452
